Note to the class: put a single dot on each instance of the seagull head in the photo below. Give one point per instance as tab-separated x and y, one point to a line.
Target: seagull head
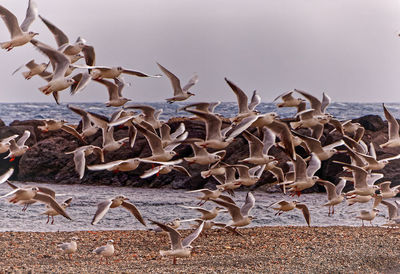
33	34
190	93
110	242
75	238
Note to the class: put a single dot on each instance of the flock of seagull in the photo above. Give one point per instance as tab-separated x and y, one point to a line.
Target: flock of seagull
209	152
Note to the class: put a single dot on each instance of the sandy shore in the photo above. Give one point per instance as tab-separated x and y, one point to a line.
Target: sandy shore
263	249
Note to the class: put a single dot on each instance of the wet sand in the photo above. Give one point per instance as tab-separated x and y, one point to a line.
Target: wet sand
262	249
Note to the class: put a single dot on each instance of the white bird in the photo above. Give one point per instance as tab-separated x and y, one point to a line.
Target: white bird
19	34
334	193
4	177
105	250
118	165
52	212
115	98
80	157
5	143
367	215
103	207
284	206
207	194
240	216
163	168
34	69
180	93
69	247
245	109
206	215
388	192
393	130
31	193
258	150
101	72
202	156
179	247
18	148
88	129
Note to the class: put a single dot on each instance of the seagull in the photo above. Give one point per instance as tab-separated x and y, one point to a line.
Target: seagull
322	152
102	72
120	200
31	193
58	81
284	206
79	157
163	168
19	34
115	98
5	143
367	215
105	250
304	176
109	143
248	176
393	210
215	136
18	148
180	93
70	247
318	106
52	212
361	185
118	165
202	156
290	101
167	138
34	69
334	193
217	169
71	49
206	215
53	125
386	191
244	109
393	130
158	152
150	115
372	163
258	151
179	247
88	129
207	194
240	216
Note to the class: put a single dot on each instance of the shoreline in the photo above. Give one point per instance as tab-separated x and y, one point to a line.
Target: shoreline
280	249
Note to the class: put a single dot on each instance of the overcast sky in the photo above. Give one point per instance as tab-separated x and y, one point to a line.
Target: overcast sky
347	48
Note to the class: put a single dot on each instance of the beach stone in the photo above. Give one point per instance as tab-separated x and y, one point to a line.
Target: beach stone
2	124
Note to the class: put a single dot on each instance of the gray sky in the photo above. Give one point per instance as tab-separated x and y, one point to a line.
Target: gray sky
347	48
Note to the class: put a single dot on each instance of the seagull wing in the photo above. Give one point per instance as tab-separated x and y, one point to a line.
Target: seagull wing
31	14
11	22
102	209
175	237
6	175
176	84
59	35
132	208
306	212
189	239
241	97
191	83
392	124
248	204
51	202
255	100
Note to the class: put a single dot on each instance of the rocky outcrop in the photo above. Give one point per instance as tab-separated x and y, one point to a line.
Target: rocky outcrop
47	161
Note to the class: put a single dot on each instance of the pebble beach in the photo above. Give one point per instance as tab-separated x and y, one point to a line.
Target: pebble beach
262	249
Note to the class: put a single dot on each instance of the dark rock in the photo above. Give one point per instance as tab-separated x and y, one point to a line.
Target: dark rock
371	122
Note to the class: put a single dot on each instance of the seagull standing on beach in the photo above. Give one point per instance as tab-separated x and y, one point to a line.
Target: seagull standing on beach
367	215
70	247
105	251
334	193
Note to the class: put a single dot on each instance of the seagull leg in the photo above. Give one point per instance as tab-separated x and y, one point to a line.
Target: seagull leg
298	193
52	220
333	210
48	219
12	159
362	222
174	261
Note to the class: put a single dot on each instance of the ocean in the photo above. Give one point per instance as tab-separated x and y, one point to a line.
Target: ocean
26	111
